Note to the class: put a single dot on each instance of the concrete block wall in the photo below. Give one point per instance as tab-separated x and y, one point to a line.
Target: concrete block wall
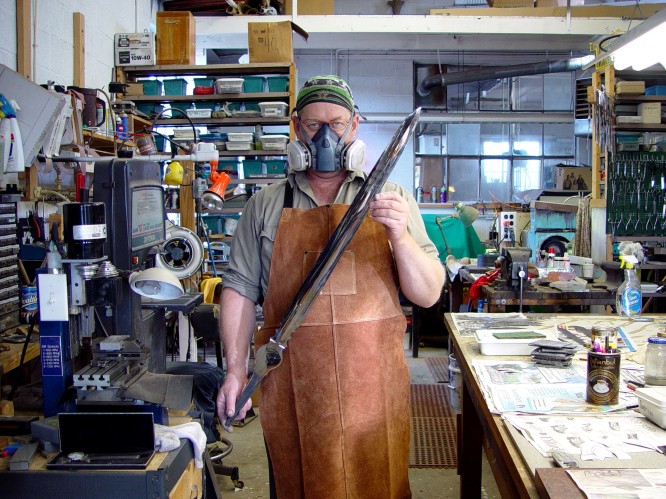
54	38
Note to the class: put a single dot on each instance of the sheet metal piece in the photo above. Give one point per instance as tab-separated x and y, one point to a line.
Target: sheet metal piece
269	356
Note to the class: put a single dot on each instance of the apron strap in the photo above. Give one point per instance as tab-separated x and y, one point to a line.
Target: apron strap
288	196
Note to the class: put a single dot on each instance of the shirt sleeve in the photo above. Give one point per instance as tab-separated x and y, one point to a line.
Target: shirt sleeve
244	271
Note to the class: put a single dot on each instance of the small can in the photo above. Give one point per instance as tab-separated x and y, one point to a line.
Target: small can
419	194
481	305
434	194
604	339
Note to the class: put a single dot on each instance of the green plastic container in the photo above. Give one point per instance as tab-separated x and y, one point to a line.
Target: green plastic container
278	83
176	86
276	167
227	166
183	106
160	143
253	168
150	109
205	104
253	84
151	87
252	106
204	82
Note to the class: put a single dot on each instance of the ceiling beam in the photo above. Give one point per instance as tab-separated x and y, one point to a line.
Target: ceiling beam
499	33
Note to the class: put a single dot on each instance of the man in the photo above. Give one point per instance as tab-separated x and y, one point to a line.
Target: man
335	413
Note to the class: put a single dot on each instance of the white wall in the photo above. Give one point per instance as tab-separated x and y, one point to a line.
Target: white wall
54	39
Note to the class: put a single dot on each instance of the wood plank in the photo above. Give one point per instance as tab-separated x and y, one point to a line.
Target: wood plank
592	11
24	38
555	483
79	69
569	208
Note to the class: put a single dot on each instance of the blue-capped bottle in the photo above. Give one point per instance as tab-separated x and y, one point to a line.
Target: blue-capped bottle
629	299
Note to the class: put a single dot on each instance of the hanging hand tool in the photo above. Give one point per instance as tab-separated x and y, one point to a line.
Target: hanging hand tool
269	356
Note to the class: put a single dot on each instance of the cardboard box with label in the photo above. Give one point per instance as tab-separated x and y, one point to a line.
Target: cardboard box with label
573	178
134	49
650	112
272	41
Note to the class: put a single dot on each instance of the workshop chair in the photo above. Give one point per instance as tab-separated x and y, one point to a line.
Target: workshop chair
204	319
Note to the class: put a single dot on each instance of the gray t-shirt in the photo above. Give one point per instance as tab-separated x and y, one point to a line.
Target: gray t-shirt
252	246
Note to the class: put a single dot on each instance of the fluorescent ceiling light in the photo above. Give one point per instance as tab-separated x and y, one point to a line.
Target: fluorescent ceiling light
640	47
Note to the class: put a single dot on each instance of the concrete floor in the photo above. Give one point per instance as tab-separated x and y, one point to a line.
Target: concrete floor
249	454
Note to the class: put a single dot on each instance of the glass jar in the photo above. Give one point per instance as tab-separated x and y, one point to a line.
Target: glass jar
655	360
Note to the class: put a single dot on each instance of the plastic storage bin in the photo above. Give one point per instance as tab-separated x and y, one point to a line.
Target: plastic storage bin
149	108
204	82
273	109
151	87
227	166
240	146
274	142
176	86
183	106
652	403
240	136
198	113
253	84
278	83
253	168
656	90
276	167
229	85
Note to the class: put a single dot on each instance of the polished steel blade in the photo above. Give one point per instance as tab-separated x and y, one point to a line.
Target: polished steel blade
269	356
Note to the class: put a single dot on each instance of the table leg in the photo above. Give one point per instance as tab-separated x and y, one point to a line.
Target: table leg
469	448
416	330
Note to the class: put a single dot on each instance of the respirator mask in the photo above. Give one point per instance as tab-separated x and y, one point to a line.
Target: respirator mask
326	152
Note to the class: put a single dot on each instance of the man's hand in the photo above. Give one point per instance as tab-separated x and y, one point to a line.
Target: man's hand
392	211
226	398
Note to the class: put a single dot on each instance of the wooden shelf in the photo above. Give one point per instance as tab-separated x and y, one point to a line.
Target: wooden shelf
104	142
243	121
209	69
267	96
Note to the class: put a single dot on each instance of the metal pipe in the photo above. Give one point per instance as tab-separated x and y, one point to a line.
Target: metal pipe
491	73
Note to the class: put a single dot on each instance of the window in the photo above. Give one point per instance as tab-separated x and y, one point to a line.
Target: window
491	160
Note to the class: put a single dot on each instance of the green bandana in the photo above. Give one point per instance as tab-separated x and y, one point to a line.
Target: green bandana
329	88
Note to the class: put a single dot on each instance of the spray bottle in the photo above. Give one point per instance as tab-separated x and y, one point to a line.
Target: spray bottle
12	160
629	299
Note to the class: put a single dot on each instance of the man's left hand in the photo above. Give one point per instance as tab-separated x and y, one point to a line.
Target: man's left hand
392	211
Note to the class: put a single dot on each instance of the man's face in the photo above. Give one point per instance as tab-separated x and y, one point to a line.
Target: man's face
313	116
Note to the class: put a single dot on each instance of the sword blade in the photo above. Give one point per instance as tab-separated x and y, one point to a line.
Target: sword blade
269	356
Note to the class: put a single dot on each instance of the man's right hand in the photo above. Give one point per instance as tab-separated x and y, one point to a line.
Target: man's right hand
227	396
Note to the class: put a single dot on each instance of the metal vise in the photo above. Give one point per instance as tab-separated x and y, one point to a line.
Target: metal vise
514	260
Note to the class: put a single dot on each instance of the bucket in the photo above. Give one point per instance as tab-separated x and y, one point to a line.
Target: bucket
455	379
454	398
29	304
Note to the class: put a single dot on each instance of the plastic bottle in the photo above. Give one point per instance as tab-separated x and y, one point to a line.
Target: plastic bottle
567	262
442	194
550	264
434	194
629	299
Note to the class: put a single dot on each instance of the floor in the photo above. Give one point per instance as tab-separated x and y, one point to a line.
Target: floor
249	455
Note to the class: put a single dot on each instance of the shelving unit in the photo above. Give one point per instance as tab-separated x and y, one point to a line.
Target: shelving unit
633	210
133	73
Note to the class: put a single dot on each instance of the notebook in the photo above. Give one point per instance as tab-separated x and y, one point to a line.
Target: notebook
96	440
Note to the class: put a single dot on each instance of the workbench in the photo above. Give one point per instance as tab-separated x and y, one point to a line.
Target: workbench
499	298
168	475
11	359
518	468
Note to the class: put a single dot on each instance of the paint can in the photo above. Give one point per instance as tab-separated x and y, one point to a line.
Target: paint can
29	304
603	378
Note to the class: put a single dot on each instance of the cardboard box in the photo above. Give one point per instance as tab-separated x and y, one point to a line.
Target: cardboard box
510	3
573	178
134	89
272	41
650	112
630	87
175	40
134	49
311	7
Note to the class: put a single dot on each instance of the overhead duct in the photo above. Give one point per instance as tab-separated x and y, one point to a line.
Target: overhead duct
493	73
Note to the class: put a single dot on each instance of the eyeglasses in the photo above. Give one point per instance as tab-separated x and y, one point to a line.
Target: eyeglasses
314	125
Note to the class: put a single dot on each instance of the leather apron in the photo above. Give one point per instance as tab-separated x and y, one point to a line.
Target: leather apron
335	413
